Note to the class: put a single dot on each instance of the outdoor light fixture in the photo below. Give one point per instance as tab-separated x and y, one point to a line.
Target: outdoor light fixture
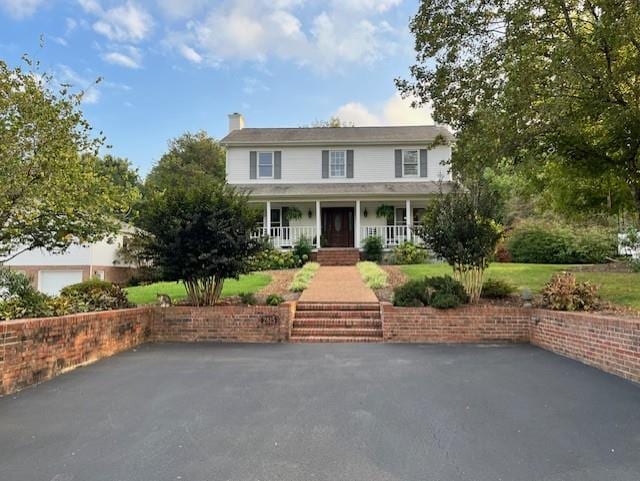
365	213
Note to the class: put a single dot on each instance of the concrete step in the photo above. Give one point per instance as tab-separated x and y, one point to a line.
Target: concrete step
319	339
337	323
336	332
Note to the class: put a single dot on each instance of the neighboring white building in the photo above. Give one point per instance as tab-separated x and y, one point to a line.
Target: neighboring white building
338	178
51	272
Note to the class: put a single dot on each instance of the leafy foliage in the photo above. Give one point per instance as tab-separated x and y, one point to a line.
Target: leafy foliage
272	259
51	196
274	300
248	298
18	299
440	292
497	289
558	244
372	275
408	253
564	293
538	84
372	248
460	228
201	236
93	295
303	277
302	250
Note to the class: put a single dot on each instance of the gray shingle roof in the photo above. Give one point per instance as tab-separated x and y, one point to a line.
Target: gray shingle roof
338	189
337	135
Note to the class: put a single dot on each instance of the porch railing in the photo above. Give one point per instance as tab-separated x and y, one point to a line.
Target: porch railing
286	236
391	235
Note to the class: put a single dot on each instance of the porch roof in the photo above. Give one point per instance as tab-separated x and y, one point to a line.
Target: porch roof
340	189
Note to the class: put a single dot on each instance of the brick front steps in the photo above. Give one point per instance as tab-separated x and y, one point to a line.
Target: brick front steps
338	256
318	322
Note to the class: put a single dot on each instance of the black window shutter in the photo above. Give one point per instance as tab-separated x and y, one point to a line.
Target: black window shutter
325	164
253	167
277	164
350	164
398	163
423	162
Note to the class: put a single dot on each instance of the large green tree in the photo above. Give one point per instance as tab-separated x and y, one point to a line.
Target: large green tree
191	158
536	82
51	194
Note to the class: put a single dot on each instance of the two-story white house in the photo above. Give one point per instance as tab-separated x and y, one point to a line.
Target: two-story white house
347	183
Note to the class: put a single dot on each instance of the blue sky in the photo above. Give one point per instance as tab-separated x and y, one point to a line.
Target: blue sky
171	66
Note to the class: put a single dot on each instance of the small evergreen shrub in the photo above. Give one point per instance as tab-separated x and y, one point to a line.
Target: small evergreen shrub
497	289
442	292
372	249
564	293
247	298
274	300
94	295
302	250
372	274
408	253
18	299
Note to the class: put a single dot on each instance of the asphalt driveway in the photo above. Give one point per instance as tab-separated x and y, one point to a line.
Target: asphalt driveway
289	412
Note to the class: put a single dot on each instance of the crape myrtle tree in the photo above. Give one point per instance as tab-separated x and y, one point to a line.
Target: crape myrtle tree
537	82
52	192
200	235
462	228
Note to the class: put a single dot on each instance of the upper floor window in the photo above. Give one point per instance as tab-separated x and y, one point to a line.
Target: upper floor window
409	163
265	165
337	163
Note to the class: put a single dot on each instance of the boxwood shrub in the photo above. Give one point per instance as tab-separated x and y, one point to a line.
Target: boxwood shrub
441	292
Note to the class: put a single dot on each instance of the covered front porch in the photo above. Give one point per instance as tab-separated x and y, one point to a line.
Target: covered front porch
341	223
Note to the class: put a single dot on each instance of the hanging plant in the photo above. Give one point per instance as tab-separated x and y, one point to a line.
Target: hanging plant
385	211
293	213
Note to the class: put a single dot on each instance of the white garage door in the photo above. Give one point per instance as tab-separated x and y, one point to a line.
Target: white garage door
52	281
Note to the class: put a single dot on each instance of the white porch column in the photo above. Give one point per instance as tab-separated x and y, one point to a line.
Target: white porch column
318	224
409	220
267	224
357	225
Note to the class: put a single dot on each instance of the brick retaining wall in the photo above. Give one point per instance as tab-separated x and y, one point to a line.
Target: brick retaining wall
462	325
222	324
34	350
609	343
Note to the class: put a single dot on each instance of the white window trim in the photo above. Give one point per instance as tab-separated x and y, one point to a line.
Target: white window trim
272	164
345	165
417	174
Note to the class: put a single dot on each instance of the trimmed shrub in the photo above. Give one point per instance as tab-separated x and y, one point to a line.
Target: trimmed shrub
272	259
94	295
248	298
274	300
372	275
409	253
303	277
564	293
372	249
302	250
544	244
18	299
442	292
497	289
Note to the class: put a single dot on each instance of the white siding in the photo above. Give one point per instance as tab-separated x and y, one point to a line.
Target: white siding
303	165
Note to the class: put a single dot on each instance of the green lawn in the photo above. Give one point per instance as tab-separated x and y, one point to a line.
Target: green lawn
149	294
619	288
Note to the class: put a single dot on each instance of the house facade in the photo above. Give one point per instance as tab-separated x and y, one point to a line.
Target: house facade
50	272
338	186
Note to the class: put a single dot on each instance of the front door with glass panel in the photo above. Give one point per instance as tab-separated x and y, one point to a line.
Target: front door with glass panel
337	226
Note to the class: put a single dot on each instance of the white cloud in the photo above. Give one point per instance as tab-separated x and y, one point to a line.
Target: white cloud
244	30
395	111
20	8
125	23
60	41
190	54
178	9
127	56
253	85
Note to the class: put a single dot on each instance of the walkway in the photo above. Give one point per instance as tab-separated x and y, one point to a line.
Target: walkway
338	284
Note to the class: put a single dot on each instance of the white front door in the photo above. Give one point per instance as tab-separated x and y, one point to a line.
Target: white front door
51	282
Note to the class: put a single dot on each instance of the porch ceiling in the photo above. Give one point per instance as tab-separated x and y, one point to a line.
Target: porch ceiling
362	190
